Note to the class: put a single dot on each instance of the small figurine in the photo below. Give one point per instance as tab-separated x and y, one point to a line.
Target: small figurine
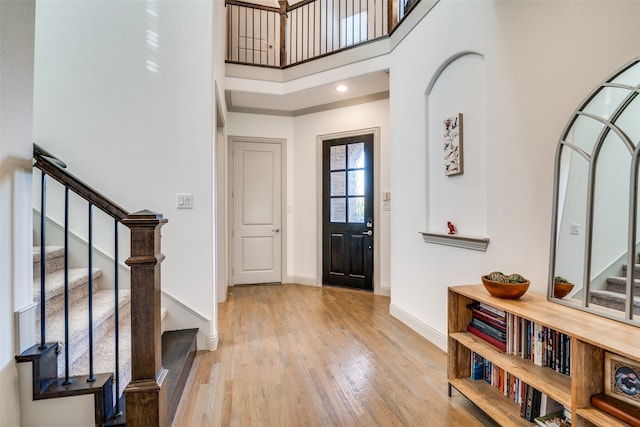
452	228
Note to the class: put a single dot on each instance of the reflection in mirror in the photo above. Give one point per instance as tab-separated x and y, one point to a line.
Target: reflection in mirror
609	225
594	234
572	208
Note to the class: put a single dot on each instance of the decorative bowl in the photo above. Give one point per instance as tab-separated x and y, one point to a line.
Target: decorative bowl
561	290
505	290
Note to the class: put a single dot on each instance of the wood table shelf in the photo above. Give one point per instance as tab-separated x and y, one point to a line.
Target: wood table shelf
491	401
591	337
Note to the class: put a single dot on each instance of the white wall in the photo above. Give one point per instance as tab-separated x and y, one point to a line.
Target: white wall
124	95
302	156
16	118
541	59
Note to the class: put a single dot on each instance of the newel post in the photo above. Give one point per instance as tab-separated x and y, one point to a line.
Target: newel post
146	394
283	32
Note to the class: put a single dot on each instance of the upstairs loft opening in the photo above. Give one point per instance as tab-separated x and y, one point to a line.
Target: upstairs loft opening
280	37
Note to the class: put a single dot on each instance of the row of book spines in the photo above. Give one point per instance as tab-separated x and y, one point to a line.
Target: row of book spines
532	402
507	383
542	345
521	337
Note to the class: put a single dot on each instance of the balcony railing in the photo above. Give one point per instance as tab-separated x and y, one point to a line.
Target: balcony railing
310	29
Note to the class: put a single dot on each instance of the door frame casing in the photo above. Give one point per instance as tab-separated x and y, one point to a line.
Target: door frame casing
376	200
283	208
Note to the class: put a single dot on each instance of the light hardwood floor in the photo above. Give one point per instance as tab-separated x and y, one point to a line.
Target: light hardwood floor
292	355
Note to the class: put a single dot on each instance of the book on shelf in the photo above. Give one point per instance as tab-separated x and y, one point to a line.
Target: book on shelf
489	330
533	404
523	401
556	419
492	309
496	322
538	342
491	340
549	406
488	367
477	366
624	411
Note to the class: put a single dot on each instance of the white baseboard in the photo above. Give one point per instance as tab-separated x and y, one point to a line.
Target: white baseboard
383	291
307	281
213	342
181	316
25	327
420	327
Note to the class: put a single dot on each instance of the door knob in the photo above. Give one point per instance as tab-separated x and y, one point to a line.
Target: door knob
276	230
368	233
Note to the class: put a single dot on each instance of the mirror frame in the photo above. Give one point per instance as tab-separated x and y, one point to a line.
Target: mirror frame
608	125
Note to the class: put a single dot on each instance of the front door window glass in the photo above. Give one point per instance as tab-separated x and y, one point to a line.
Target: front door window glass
347	176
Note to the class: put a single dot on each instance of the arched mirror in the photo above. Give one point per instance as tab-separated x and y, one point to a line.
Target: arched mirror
595	237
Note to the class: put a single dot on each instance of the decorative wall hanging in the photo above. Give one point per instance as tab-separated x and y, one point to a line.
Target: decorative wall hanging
453	145
621	378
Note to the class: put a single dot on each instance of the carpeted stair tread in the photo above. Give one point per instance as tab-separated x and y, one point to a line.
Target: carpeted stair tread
636	269
619	285
621	280
51	251
613	300
104	356
54	282
54	256
103	314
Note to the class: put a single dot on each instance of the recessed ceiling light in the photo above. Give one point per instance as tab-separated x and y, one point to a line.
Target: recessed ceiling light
342	88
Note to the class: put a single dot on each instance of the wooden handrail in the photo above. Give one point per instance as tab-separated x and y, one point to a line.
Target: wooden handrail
299	4
41	152
252	6
54	168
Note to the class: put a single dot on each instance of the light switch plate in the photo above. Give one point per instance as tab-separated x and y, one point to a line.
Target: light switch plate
184	201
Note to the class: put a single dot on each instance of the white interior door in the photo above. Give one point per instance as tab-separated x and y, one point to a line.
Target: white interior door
257	202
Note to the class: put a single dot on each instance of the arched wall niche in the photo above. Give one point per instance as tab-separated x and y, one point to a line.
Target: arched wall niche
458	86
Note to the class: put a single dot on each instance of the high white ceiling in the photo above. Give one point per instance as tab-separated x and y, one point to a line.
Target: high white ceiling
362	88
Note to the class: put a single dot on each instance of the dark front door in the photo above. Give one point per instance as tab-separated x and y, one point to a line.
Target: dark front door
347	212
